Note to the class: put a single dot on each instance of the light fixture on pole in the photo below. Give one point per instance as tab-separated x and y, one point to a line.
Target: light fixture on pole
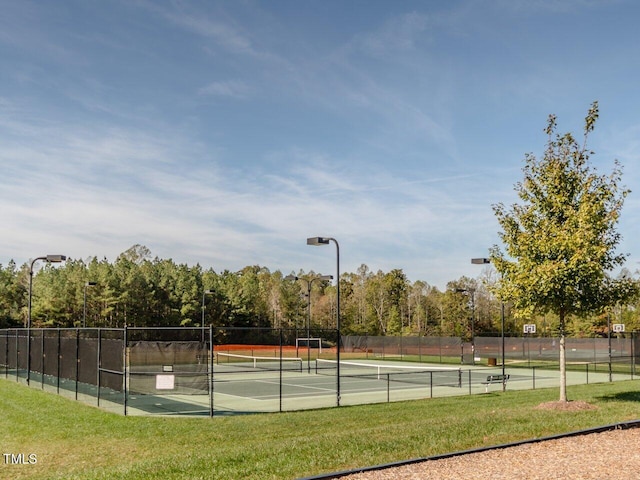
480	261
484	261
309	283
84	310
48	259
325	241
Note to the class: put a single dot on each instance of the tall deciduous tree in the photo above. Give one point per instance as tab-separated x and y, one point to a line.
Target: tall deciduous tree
560	241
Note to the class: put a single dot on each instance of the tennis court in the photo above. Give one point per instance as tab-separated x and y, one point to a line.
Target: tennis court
244	383
253	384
209	372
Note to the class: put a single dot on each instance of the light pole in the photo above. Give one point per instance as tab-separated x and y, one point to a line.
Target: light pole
484	261
325	241
472	293
309	283
206	292
48	259
84	310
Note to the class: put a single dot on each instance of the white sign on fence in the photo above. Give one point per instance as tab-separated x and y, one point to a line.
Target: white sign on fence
165	382
530	328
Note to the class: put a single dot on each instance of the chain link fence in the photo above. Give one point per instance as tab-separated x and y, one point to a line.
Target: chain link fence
222	371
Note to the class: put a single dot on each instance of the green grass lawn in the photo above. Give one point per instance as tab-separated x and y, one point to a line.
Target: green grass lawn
71	440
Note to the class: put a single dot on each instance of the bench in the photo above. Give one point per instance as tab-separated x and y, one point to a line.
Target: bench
494	379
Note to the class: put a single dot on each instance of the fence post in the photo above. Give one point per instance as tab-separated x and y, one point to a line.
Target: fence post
77	360
430	384
587	369
633	353
98	365
124	367
28	355
17	357
42	356
6	367
210	370
58	363
388	388
280	382
534	377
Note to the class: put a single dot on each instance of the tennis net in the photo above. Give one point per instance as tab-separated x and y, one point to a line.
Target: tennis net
252	362
422	375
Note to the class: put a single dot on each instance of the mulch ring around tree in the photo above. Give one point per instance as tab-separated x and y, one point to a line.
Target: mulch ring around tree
570	406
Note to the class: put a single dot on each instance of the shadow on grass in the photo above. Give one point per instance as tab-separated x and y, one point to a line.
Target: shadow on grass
621	397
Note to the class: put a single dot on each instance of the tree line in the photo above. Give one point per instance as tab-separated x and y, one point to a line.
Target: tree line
138	290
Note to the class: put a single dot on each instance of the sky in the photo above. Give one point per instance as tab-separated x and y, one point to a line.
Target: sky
225	133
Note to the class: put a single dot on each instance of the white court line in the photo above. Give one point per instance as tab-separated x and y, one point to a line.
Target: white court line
298	386
261	398
330	389
346	390
215	392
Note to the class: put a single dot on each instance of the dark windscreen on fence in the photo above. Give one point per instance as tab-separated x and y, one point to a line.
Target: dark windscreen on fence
21	351
168	367
68	354
111	362
87	359
36	351
51	353
422	348
199	371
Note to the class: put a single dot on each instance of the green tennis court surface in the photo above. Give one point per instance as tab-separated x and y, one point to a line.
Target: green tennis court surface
242	388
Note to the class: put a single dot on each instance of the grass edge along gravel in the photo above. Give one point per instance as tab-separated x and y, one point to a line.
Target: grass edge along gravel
71	440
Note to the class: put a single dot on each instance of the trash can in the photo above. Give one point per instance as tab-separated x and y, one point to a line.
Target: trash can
492	361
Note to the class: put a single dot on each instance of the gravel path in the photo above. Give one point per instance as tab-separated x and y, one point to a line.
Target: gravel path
611	455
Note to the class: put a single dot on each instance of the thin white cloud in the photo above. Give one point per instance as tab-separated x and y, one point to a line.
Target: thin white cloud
71	204
398	34
229	88
390	133
223	32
